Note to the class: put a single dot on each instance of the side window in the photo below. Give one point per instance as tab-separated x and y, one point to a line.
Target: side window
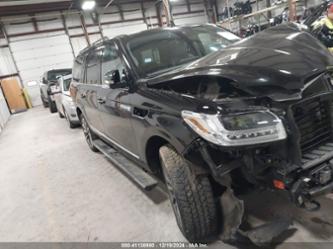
93	67
78	68
112	62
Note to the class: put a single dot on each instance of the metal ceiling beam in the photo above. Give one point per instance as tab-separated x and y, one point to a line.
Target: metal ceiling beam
57	6
33	8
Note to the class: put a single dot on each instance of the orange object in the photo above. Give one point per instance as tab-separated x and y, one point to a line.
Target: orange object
278	184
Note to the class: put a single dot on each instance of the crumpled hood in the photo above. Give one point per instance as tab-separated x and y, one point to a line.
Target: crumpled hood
279	60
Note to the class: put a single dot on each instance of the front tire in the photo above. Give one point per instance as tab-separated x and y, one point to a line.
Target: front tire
69	122
60	114
88	134
191	196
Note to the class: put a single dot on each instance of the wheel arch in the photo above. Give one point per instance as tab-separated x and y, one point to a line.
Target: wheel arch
153	144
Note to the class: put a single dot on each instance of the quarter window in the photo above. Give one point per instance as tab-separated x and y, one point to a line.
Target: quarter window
78	68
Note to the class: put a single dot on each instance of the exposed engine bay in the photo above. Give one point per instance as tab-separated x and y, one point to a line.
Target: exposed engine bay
209	88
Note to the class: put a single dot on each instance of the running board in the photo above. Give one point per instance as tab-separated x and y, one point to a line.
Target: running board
140	177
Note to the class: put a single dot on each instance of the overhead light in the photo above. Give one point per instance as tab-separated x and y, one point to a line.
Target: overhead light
88	5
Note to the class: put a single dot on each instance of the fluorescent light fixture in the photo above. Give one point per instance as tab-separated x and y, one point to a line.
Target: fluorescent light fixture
88	5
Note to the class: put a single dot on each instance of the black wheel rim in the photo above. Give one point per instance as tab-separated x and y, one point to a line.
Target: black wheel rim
86	132
173	200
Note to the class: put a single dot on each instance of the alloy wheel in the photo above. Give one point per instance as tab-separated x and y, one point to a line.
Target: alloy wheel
86	132
173	200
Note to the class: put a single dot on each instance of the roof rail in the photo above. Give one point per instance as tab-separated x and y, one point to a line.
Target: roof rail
105	38
100	40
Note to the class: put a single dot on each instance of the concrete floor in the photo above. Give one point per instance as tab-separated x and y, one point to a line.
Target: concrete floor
53	188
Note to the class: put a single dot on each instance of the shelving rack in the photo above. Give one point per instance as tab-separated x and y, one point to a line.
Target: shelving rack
229	23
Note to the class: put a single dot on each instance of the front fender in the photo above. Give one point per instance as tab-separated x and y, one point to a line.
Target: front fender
170	128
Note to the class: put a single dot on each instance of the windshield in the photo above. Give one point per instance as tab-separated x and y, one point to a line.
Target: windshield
66	84
52	75
167	49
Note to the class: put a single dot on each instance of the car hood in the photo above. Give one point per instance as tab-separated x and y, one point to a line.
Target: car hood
277	62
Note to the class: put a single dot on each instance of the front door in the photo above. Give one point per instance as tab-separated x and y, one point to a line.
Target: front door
114	103
13	94
88	91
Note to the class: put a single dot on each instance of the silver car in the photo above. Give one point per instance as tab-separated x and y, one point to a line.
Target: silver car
65	105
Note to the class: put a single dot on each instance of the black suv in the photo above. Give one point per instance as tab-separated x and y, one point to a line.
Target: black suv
207	114
49	86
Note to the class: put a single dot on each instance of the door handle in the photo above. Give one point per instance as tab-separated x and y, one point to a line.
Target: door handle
101	100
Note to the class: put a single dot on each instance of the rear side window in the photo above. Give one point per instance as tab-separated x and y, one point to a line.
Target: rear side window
66	84
93	66
54	74
78	68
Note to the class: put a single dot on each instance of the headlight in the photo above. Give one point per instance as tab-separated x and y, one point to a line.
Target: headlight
236	129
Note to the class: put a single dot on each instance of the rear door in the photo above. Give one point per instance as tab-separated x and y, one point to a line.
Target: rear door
114	104
88	91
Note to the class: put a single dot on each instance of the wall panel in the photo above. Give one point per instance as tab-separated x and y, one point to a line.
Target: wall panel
4	112
7	65
38	54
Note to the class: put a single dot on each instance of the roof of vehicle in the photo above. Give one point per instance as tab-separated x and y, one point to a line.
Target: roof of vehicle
60	69
144	33
156	30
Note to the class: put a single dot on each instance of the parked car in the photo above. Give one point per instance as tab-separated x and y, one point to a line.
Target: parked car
64	102
48	87
210	114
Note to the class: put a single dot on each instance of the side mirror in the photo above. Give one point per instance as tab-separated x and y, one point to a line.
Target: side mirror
112	77
44	81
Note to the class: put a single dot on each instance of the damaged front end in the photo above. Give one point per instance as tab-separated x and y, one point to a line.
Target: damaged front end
284	145
263	113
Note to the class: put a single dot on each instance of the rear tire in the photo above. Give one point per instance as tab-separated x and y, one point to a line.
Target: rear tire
52	105
60	114
69	122
88	134
191	196
45	104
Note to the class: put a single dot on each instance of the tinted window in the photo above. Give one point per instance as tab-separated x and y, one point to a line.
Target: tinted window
160	51
53	75
67	84
111	61
78	68
93	67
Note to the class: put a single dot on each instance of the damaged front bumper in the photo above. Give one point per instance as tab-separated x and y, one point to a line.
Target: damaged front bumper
311	183
303	183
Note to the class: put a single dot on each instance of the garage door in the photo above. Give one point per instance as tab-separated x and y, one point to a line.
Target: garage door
36	54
